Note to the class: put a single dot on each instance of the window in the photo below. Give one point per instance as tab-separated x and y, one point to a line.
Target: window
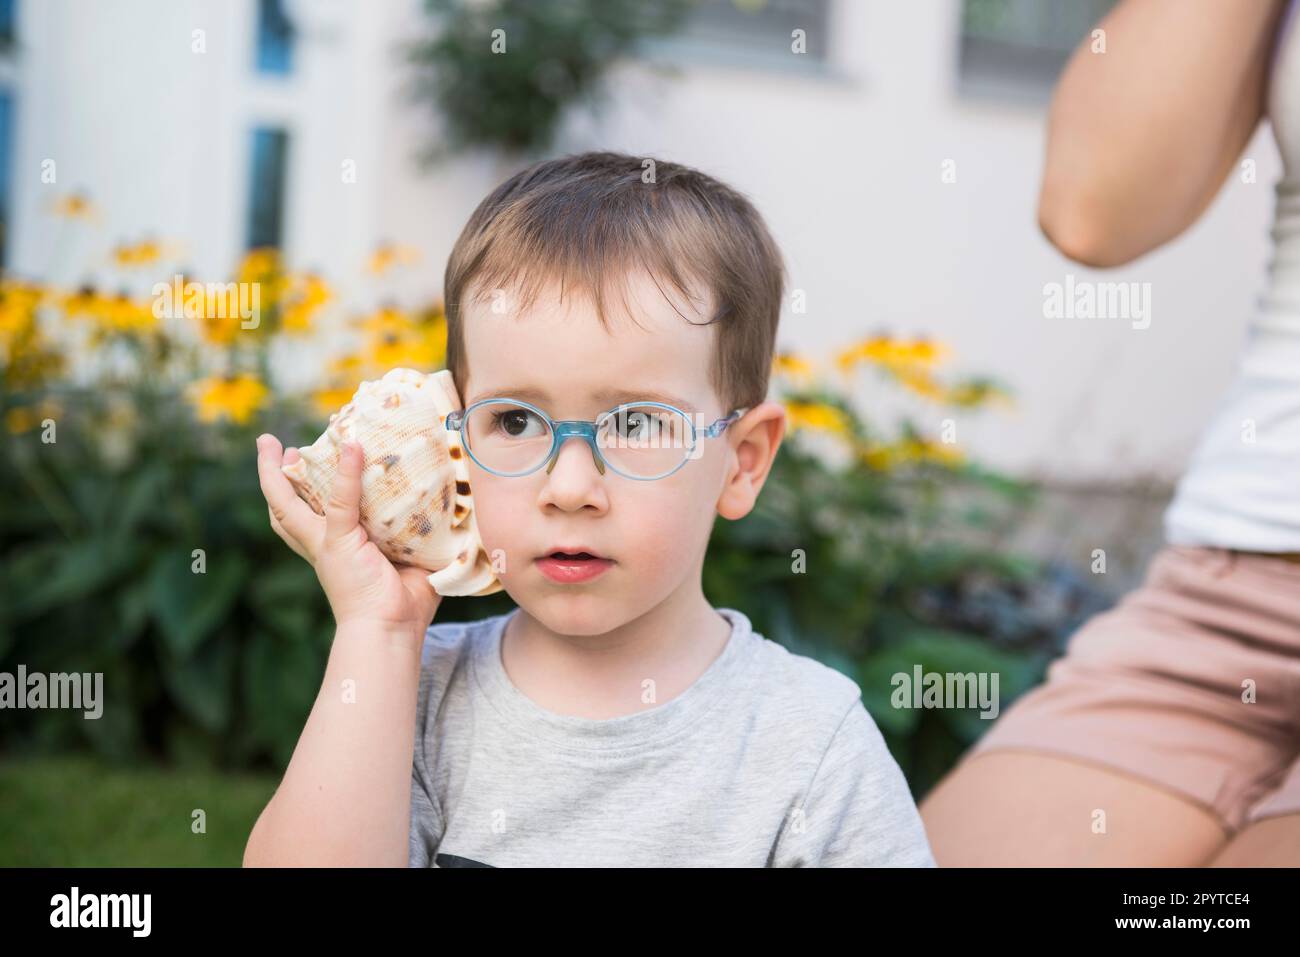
6	149
1020	46
274	37
749	32
266	187
7	23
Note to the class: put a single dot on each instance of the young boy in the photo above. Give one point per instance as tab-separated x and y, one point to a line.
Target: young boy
614	718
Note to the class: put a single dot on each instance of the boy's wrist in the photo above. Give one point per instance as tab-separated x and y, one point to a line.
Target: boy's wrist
397	634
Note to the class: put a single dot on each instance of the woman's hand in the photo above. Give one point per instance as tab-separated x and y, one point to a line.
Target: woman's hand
362	585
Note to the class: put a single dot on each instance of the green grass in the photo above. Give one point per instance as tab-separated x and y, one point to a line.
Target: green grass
80	812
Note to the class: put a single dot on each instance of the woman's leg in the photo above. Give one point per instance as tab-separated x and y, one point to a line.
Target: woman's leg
1271	837
1272	842
1167	719
1029	809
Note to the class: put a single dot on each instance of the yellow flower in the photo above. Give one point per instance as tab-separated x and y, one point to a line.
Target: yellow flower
84	302
75	206
264	267
17	315
386	320
110	315
25	352
920	382
219	330
308	295
876	456
924	352
387	255
399	339
793	366
971	394
28	357
909	450
144	253
815	415
332	398
347	366
410	351
219	309
435	312
24	418
260	261
232	396
124	314
24	295
891	353
915	449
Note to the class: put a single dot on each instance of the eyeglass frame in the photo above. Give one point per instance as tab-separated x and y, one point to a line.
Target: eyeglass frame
565	429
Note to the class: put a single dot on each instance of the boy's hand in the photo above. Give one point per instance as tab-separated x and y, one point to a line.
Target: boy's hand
363	587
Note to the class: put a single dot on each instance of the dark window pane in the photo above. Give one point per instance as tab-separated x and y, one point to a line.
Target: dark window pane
266	187
7	22
759	27
1024	43
274	38
6	151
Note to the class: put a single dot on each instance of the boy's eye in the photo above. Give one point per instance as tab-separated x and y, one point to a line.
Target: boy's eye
647	426
517	424
635	422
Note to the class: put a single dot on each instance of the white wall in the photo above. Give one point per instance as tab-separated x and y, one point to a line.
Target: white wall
845	166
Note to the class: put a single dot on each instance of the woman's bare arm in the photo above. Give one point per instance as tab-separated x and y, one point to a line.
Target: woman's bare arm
1142	136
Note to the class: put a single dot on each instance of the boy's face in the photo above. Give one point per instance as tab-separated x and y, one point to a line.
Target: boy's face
558	357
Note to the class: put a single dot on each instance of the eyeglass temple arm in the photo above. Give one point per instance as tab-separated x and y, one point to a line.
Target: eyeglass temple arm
718	427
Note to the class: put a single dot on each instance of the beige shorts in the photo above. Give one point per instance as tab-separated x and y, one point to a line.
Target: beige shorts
1191	683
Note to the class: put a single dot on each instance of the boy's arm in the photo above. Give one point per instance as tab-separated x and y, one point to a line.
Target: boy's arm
858	811
346	796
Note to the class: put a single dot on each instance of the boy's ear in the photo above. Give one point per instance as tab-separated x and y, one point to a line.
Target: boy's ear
753	441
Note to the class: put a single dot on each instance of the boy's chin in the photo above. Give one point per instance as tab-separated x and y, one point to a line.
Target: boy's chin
566	612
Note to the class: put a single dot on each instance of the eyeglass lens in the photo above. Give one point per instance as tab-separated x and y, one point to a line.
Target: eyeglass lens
644	441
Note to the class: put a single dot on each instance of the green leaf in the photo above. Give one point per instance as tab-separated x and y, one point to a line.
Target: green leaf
60	573
202	684
134	602
140	497
287	597
281	679
190	606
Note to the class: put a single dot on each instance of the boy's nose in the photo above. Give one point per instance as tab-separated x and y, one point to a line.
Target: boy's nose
583	443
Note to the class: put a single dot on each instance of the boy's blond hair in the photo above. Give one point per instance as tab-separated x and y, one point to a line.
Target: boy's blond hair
586	221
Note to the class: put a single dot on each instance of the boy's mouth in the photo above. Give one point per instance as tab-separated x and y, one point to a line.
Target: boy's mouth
567	566
575	553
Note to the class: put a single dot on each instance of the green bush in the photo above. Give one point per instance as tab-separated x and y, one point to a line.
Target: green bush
873	561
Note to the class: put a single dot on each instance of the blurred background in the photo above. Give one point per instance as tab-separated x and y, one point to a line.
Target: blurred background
956	457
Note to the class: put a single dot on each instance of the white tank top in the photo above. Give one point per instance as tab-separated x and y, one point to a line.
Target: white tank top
1242	487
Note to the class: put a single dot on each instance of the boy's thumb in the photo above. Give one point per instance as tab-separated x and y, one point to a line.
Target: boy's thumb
343	505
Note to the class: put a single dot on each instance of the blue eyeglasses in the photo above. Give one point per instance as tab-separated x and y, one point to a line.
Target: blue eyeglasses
640	440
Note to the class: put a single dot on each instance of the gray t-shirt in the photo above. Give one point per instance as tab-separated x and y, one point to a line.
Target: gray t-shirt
768	759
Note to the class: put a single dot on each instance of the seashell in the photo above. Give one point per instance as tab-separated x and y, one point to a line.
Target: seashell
416	503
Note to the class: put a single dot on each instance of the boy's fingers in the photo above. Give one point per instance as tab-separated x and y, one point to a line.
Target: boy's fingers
288	539
417	581
295	517
343	504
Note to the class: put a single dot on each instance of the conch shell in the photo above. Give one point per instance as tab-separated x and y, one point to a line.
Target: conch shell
416	504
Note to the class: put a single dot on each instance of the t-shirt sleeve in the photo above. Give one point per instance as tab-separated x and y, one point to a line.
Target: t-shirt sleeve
426	816
857	810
